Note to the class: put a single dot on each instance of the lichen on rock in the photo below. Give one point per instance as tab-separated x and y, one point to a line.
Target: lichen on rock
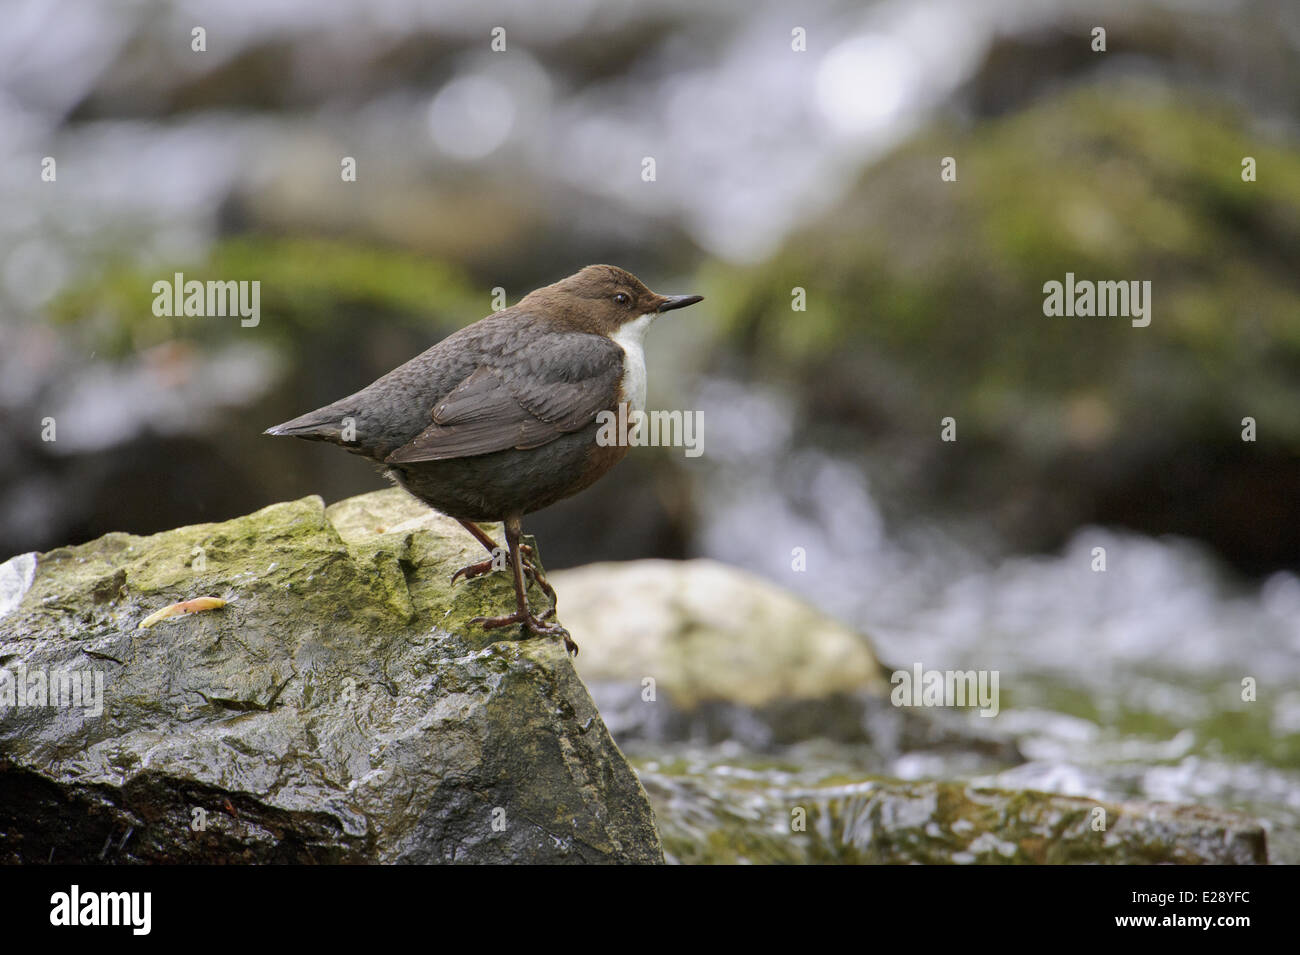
338	708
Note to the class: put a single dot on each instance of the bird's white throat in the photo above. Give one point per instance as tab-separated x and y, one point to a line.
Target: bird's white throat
630	337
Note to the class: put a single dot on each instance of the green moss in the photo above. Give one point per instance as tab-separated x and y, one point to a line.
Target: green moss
1224	727
943	282
339	697
308	286
708	819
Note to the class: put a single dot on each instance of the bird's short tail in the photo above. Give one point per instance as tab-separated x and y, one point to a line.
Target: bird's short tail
323	424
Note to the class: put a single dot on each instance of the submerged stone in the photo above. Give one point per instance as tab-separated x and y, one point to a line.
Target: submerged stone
728	814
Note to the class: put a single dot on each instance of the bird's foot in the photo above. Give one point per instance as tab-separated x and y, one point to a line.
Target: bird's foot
537	578
497	562
471	571
532	624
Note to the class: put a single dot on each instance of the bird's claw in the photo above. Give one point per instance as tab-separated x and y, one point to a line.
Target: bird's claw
532	624
472	571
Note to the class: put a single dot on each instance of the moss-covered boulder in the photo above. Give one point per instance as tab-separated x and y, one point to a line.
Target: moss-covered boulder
339	707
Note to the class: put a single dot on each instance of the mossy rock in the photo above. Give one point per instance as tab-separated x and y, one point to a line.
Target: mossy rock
729	817
340	707
925	300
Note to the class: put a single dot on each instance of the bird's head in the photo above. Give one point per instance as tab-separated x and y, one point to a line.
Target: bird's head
607	300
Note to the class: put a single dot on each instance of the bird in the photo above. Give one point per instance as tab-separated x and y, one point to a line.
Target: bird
500	418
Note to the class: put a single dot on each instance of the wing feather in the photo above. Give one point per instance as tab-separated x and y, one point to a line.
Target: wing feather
522	399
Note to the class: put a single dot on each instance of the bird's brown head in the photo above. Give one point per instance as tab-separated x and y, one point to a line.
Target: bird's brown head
604	299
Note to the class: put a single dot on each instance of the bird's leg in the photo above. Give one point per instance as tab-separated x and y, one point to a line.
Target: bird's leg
480	535
470	571
523	615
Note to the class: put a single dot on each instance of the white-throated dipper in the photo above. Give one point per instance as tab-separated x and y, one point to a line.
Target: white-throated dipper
499	419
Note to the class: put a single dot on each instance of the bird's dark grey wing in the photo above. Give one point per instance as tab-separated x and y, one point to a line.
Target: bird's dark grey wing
522	399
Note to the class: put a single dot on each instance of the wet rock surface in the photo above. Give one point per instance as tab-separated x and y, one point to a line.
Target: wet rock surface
764	732
727	814
338	708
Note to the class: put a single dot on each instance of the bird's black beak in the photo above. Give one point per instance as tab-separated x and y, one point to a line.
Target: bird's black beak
680	301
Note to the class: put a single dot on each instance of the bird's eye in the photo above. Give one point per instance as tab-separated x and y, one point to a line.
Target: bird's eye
621	298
